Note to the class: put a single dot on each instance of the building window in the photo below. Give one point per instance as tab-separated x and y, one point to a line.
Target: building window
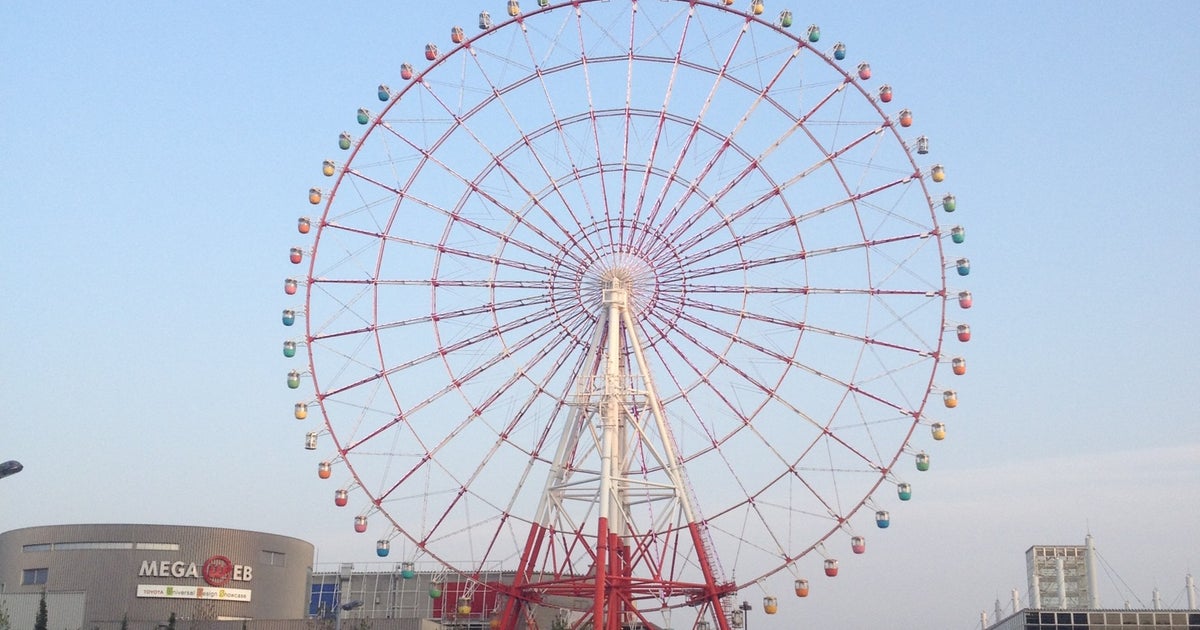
37	547
34	576
84	545
159	546
273	558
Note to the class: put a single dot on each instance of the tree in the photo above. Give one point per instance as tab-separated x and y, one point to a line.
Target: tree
43	615
5	622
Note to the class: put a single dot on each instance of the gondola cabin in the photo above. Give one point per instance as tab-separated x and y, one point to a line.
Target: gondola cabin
965	300
324	470
310	441
938	430
905	118
314	195
464	606
770	605
293	380
383	548
296	255
385	92
289	348
485	20
363	116
289	317
435	590
457	35
328	168
949	203
756	7
950	399
543	3
728	3
883	519
406	71
801	588
922	461
904	491
360	523
839	51
964	332
341	497
785	18
303	225
858	544
301	411
938	173
290	286
885	93
922	145
814	33
958	365
408	570
831	567
431	51
864	71
964	266
344	140
958	234
514	8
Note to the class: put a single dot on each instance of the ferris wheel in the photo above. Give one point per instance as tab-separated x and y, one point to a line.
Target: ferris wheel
638	303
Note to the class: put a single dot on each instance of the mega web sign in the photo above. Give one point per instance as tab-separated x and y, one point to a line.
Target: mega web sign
217	572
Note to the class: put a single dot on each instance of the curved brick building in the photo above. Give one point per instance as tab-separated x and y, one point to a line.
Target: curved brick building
144	573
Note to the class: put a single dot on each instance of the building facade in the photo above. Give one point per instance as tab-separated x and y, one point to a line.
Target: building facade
142	574
1062	576
1030	619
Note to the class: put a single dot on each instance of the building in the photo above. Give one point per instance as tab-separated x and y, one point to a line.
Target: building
101	577
1033	619
1063	596
399	591
98	576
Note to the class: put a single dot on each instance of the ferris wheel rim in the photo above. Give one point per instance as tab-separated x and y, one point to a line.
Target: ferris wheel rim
433	285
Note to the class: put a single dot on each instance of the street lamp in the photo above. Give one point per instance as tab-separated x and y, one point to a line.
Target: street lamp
10	467
745	608
350	605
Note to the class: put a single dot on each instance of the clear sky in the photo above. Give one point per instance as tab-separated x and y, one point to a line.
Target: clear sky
154	156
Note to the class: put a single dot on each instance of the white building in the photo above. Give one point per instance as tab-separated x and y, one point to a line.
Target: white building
1063	596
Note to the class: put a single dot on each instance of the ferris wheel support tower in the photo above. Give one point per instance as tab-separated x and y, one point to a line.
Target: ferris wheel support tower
619	409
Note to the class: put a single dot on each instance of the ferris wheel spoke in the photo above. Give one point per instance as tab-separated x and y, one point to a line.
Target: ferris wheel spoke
740	418
742	341
585	66
458	218
464	343
525	141
753	165
661	117
623	202
775	192
539	336
443	315
695	127
476	188
805	290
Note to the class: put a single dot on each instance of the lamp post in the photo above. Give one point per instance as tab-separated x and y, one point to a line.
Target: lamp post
745	608
350	605
10	467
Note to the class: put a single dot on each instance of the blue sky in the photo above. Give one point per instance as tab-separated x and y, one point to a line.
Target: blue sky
154	158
